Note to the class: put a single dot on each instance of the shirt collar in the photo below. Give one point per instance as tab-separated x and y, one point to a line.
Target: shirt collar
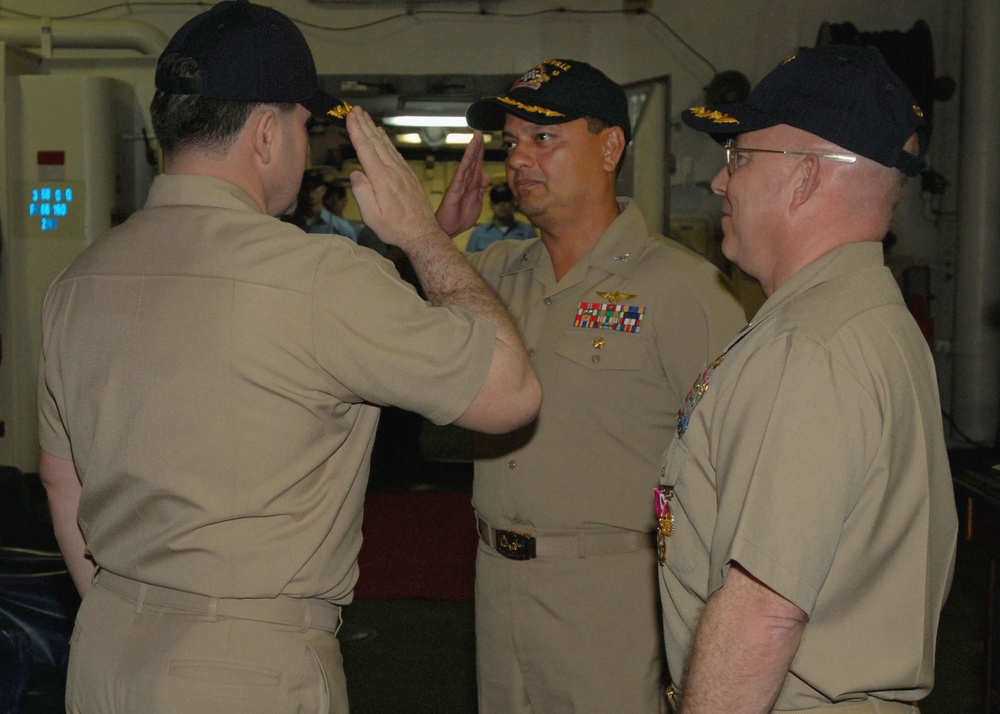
616	250
843	260
199	190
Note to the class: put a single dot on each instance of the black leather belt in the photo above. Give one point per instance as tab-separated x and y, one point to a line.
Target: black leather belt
522	545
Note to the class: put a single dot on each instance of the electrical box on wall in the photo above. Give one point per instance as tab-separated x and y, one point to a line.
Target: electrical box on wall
70	161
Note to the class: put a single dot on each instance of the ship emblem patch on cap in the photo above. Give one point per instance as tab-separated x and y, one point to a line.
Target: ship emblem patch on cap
538	75
714	114
534	78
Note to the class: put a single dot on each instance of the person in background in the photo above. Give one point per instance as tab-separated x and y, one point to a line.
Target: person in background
331	216
808	524
308	208
504	225
210	383
617	320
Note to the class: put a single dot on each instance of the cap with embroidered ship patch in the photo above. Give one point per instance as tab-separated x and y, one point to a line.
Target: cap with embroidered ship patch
555	92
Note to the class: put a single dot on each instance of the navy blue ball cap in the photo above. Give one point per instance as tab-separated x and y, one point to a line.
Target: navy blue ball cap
555	92
248	53
845	94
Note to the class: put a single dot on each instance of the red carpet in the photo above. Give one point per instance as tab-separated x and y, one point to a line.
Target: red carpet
417	545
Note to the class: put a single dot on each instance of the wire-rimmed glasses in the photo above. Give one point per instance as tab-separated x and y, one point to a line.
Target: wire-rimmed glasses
733	155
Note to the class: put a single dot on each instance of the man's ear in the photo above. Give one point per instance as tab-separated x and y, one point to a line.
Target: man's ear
263	128
805	181
613	145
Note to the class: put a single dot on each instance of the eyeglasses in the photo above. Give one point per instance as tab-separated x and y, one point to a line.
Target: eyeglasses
733	153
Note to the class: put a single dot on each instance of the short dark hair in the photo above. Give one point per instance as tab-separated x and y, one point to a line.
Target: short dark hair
311	180
181	120
500	193
335	189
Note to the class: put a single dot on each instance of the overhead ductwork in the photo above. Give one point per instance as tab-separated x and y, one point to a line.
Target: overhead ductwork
45	34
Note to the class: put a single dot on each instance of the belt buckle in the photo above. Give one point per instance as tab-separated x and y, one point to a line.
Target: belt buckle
514	545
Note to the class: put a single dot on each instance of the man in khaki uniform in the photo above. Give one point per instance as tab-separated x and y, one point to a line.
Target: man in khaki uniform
808	516
210	382
617	320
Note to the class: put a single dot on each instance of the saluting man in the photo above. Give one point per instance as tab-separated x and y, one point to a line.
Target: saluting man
618	320
209	386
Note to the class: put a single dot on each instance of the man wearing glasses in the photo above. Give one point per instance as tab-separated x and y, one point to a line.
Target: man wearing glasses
807	521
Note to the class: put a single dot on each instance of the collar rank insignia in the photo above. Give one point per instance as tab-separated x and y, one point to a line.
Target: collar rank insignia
694	396
610	316
615	296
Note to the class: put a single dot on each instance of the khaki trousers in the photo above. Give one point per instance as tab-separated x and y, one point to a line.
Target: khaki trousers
137	648
568	635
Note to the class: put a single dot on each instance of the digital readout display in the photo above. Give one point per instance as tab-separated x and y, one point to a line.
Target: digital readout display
49	204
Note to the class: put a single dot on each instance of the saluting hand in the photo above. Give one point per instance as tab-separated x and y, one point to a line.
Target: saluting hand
463	199
391	199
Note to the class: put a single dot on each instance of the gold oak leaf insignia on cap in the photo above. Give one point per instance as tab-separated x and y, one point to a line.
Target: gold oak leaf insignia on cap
530	107
714	114
340	111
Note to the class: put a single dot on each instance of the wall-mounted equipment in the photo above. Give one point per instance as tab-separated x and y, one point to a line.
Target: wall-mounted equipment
71	172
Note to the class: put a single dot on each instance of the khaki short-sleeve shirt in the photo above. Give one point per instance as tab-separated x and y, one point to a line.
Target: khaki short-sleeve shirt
615	344
214	374
813	455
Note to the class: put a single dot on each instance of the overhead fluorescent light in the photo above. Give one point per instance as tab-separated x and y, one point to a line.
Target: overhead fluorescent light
454	138
427	120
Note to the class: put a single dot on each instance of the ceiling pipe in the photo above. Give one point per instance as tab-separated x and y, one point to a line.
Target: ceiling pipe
46	33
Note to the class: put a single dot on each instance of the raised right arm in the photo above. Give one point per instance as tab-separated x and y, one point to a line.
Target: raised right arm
394	205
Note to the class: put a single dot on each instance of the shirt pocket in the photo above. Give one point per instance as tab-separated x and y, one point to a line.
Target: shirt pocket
602	350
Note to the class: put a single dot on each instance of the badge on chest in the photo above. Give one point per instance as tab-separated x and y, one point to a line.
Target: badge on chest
610	316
